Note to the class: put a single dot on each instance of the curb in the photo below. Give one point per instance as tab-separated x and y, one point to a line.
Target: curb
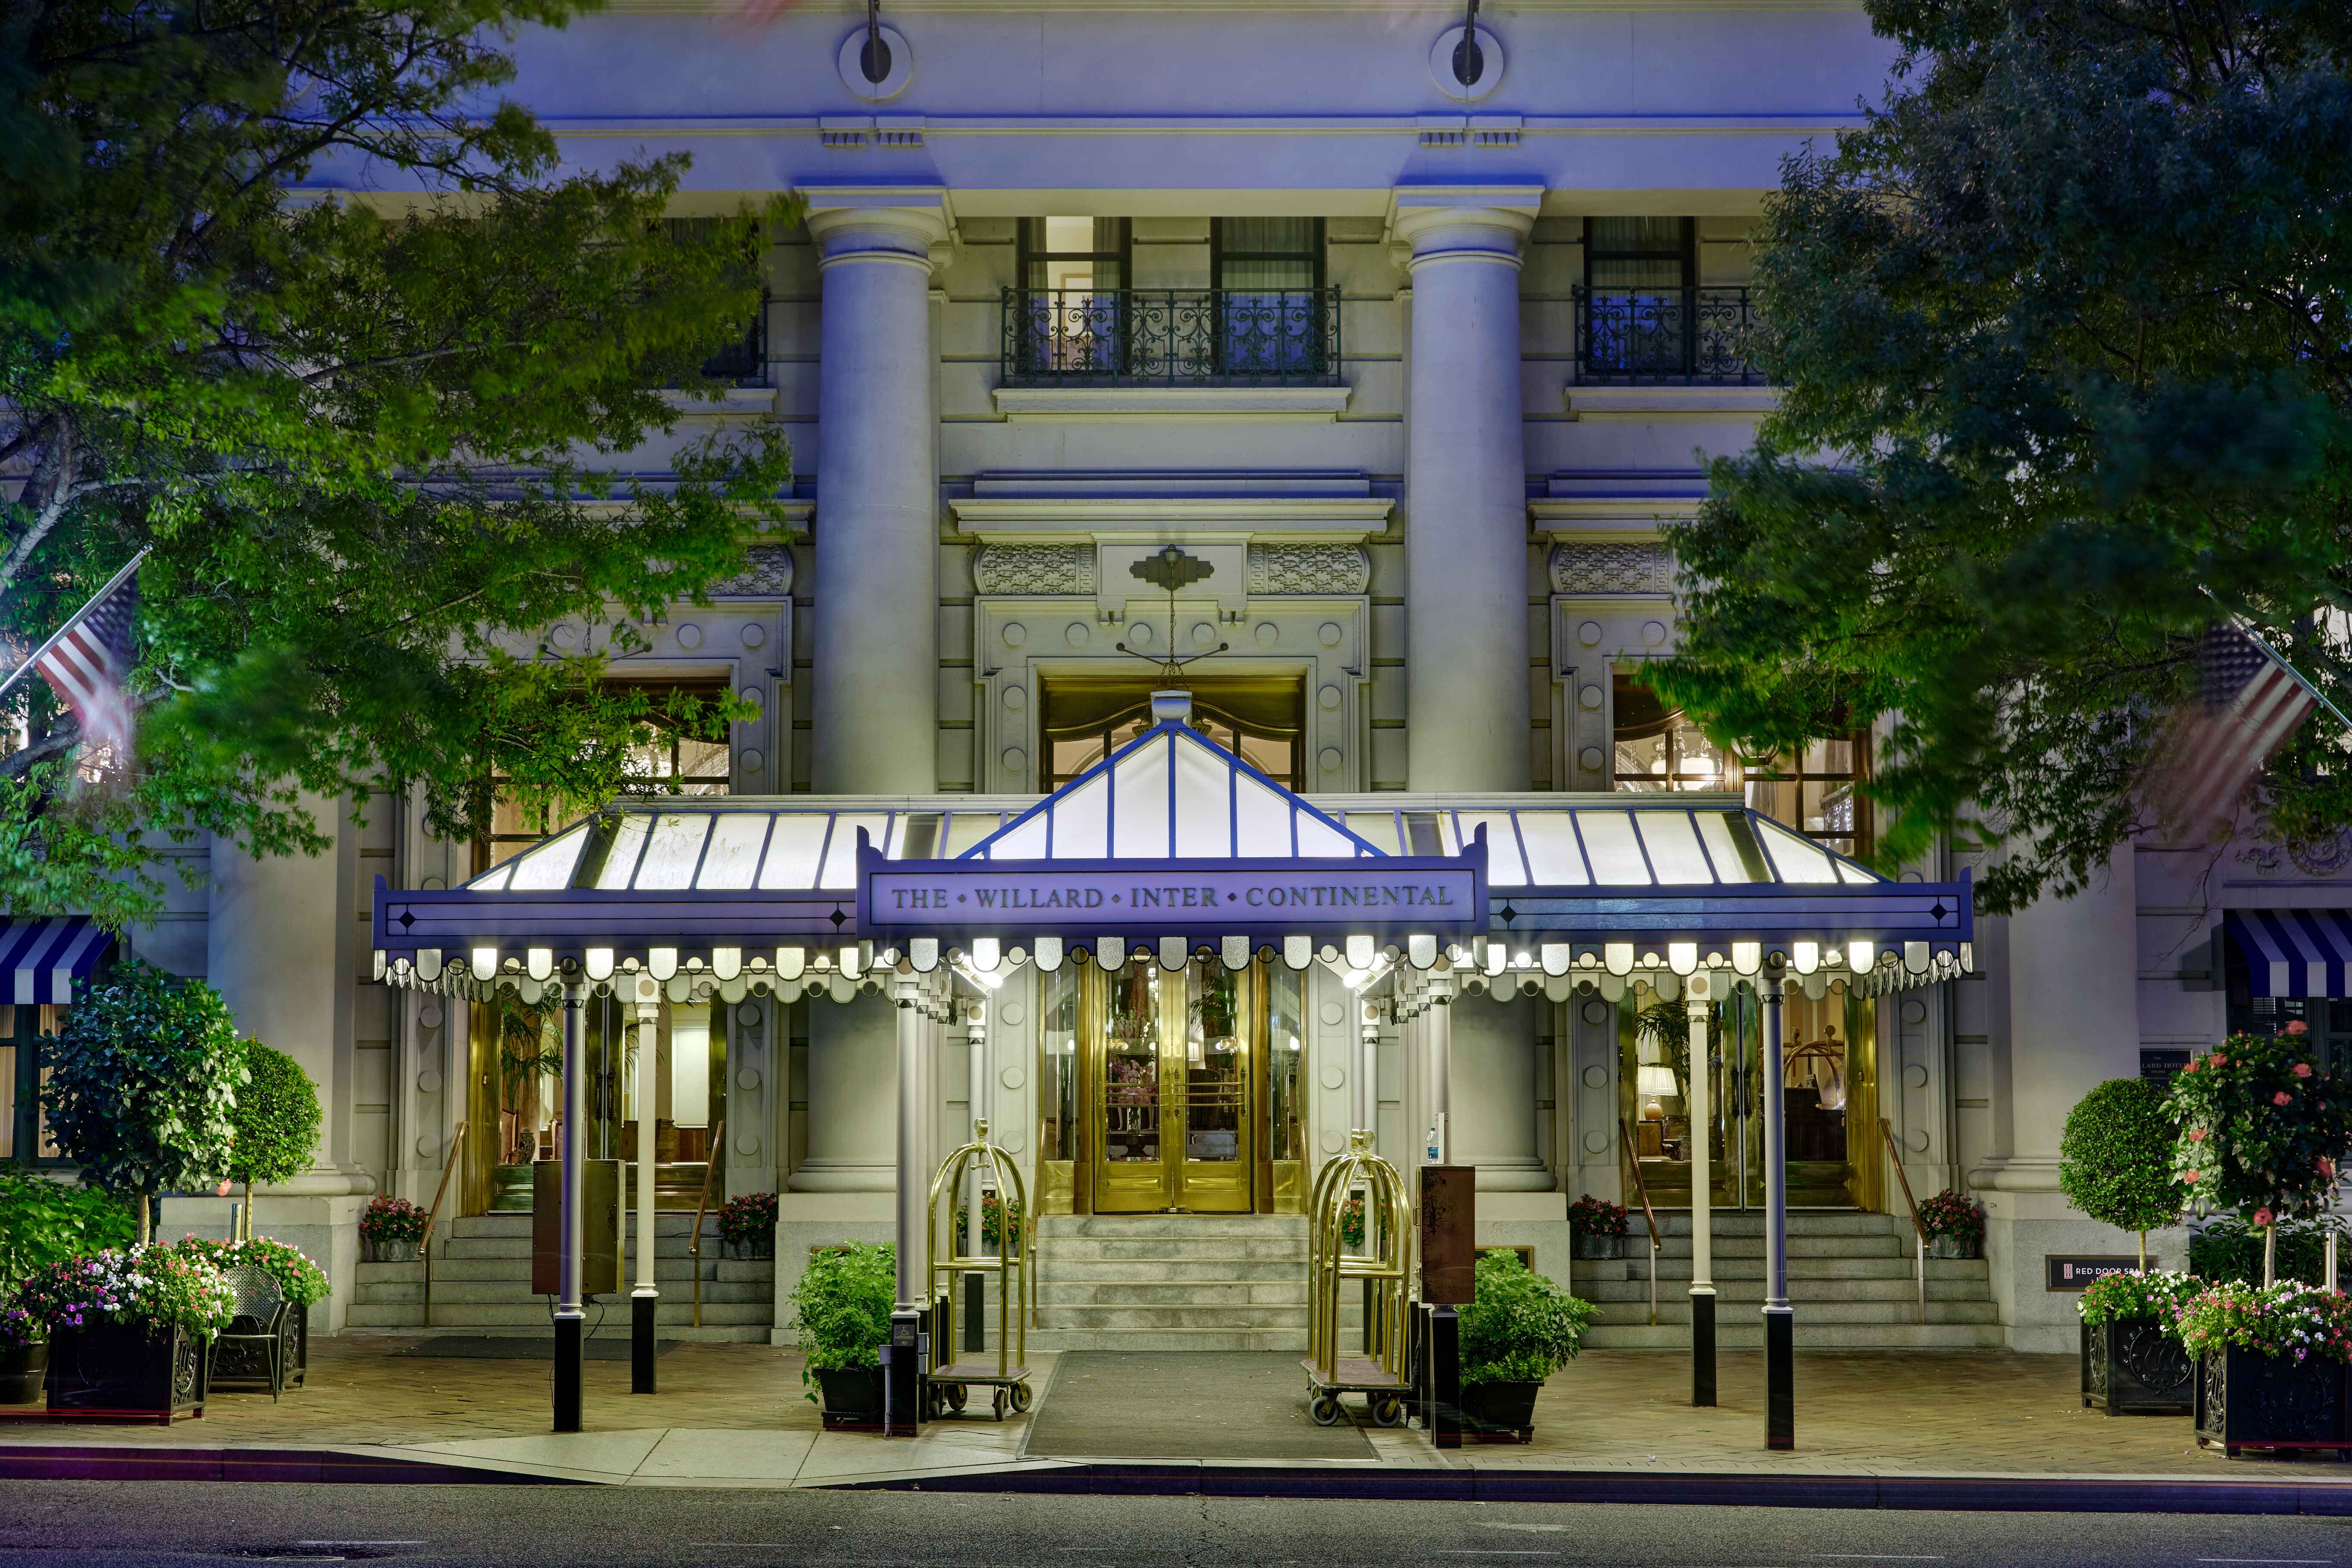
334	1467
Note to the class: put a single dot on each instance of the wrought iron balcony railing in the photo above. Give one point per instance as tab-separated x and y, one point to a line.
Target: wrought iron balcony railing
1171	337
1697	336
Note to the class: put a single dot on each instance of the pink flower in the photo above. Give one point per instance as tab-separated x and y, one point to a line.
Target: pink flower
2295	1026
2282	1097
2303	1070
2262	1218
2217	1059
2196	1135
2323	1166
2190	1176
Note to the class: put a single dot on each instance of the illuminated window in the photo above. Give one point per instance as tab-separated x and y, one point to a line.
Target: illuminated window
667	758
1261	722
1816	792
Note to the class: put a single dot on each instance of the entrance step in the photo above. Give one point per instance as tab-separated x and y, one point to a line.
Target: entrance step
1170	1282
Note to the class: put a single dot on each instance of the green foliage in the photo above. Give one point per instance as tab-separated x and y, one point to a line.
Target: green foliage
1952	1214
44	1222
2226	1248
144	1083
2158	1295
388	1218
277	1118
2263	1127
364	436
304	1282
139	1287
2288	1321
842	1308
2066	329
2115	1158
1521	1326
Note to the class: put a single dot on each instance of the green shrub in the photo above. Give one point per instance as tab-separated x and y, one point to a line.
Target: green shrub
275	1123
1521	1327
2226	1248
2160	1295
842	1308
2114	1159
44	1222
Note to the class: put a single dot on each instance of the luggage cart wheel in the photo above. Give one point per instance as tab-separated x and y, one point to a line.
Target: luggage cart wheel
1020	1397
999	1404
1325	1409
1387	1410
958	1398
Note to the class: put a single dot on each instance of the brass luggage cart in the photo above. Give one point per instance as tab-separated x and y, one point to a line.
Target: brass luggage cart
1384	1264
1013	1267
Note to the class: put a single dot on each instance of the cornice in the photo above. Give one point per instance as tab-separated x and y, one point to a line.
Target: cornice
1265	518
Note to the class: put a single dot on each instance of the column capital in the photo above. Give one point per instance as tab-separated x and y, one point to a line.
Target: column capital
878	222
1464	222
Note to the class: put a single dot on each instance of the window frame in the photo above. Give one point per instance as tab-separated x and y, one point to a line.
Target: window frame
1685	255
487	840
1206	706
1319	256
1753	771
1030	248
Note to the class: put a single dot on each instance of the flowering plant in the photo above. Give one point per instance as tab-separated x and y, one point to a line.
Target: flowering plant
1351	1221
391	1219
20	1330
2159	1295
2261	1127
993	1213
1597	1216
148	1286
1950	1214
752	1217
2287	1321
303	1281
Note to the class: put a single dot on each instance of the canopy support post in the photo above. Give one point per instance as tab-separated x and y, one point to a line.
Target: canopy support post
1696	989
1441	1071
1779	1318
571	1318
645	1300
902	1357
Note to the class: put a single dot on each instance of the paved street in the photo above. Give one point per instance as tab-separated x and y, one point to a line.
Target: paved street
65	1524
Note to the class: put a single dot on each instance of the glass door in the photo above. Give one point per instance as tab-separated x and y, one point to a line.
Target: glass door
1171	1098
1829	1099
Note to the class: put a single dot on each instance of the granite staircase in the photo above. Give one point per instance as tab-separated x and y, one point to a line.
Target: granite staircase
481	1287
1170	1282
1849	1279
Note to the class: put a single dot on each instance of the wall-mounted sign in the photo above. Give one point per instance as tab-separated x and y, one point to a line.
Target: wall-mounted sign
2156	1067
2081	1273
1436	895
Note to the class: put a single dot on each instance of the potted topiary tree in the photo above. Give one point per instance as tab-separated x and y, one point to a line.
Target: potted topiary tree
142	1085
841	1309
1519	1329
2114	1164
276	1124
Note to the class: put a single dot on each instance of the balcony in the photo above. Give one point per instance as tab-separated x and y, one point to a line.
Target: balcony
1170	337
1650	337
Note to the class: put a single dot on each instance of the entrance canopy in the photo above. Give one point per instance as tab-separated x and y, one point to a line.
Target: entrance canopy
1173	847
2293	952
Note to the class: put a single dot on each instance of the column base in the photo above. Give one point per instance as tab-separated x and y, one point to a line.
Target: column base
568	1373
641	1342
1779	1377
1702	1348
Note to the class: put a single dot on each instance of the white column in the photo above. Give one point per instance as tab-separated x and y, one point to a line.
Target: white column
877	524
1695	992
1441	1067
1465	533
1491	1072
906	992
648	1014
850	1095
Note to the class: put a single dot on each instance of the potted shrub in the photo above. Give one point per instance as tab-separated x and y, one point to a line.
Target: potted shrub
841	1308
392	1230
1519	1330
747	1227
1954	1224
304	1282
129	1329
142	1084
2113	1158
2132	1358
2226	1247
24	1356
275	1123
2270	1366
1596	1228
2262	1126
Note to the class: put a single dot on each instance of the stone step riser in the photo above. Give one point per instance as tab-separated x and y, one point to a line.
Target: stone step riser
1814	1336
1800	1269
1101	1249
1172	1270
519	1247
1195	1294
448	1315
1185	1317
476	1291
709	1334
1267	1339
1750	1222
1189	1226
664	1270
1752	1290
1620	1314
519	1223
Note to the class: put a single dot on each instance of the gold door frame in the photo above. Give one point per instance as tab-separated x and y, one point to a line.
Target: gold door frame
1174	1181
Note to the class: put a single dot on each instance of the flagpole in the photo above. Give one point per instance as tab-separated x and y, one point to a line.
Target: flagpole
2245	629
56	637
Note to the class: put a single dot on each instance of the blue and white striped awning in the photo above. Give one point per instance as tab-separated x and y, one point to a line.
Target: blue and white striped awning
2293	952
43	958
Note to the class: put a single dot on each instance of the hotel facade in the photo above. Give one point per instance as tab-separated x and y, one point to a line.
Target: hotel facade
1363	371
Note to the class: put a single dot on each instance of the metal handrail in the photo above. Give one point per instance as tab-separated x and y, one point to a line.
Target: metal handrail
449	1163
1918	1231
1649	1216
1636	334
694	1237
1169	337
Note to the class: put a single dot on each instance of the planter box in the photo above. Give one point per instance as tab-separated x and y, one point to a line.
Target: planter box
853	1399
112	1369
406	1249
21	1373
296	1337
2132	1367
1586	1245
1500	1409
762	1250
1954	1246
2249	1401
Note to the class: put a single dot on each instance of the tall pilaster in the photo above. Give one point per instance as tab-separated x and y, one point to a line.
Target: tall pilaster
1466	490
876	526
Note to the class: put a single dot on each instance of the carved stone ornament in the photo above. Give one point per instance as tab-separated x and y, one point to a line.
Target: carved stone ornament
769	575
1034	569
2326	859
1342	569
1612	569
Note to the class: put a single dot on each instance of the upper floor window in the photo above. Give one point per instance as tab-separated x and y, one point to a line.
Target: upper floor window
1641	315
1816	790
742	359
1083	255
1262	721
670	756
1266	278
1265	255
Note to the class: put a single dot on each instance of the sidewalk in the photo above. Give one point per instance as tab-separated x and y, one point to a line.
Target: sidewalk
1869	1425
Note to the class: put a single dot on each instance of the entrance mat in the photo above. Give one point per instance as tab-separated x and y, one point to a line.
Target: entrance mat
1184	1404
457	1347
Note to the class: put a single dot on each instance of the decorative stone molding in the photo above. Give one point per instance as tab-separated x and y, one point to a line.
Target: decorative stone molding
1035	569
1309	569
769	576
2324	859
1612	569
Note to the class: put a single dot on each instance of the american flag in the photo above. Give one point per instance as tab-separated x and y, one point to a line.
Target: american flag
2249	703
86	661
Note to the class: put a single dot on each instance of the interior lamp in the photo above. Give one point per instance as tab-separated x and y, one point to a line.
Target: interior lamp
1654	1083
